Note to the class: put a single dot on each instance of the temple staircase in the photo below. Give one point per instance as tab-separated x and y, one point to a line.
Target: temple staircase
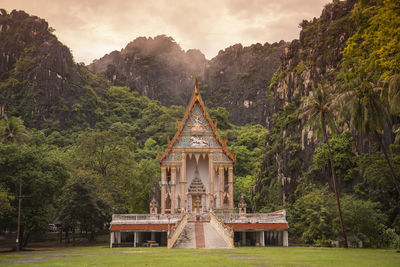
206	233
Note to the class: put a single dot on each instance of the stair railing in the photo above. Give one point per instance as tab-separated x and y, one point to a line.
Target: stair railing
176	230
225	230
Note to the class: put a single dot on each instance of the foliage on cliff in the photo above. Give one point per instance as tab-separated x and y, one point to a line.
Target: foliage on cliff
39	79
158	68
353	49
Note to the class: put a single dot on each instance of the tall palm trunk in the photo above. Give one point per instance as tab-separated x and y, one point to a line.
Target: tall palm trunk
335	188
395	181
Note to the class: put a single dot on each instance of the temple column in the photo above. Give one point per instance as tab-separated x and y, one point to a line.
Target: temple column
211	180
173	185
230	186
243	243
221	186
153	236
262	239
118	237
135	239
285	239
111	239
183	181
163	181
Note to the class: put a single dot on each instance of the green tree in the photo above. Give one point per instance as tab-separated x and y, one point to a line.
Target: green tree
314	217
43	175
362	219
369	115
12	130
320	111
80	204
345	161
5	205
110	156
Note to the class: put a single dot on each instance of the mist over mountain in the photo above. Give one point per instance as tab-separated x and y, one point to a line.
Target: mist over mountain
158	68
155	67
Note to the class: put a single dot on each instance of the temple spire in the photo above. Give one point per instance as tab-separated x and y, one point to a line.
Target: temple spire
196	87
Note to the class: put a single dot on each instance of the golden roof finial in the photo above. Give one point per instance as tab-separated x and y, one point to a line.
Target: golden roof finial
196	87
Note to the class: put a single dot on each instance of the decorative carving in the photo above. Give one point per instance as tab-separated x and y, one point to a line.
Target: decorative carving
220	157
197	141
153	206
242	205
174	156
197	121
196	186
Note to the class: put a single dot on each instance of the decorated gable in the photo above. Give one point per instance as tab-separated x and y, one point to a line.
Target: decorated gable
197	133
196	121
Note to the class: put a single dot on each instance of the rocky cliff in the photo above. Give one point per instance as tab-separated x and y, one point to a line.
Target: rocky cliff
38	77
238	77
155	67
315	57
158	68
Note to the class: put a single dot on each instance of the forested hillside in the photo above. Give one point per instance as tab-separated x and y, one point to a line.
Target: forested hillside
300	115
158	68
339	81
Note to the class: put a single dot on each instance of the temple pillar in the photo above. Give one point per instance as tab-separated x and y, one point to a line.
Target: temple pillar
243	243
230	186
211	181
262	239
163	191
221	186
118	237
183	181
153	236
135	239
111	239
285	239
173	185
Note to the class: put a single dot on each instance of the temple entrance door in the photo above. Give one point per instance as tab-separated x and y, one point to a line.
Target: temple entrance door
196	203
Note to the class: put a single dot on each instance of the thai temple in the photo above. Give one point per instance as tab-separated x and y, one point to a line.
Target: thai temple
196	208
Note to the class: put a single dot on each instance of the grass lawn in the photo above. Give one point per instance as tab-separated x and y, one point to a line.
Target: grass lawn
249	256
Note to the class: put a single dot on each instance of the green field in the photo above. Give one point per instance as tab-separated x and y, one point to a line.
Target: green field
267	256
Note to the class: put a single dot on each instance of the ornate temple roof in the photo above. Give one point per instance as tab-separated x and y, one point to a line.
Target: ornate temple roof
193	118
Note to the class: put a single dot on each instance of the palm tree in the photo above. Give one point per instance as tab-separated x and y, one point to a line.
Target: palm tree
12	130
369	115
320	112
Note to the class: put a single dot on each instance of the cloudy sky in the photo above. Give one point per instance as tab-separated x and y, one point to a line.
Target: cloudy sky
92	28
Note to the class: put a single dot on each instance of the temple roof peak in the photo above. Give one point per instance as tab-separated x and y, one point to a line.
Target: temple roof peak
196	86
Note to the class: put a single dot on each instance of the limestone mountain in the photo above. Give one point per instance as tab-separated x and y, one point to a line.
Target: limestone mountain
155	67
238	77
158	68
39	79
306	62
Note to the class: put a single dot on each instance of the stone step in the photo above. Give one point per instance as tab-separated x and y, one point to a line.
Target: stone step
200	243
213	239
187	237
200	234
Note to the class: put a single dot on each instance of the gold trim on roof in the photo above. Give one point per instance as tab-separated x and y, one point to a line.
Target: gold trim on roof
196	98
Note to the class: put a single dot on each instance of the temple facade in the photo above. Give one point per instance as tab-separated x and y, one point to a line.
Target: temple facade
196	208
196	168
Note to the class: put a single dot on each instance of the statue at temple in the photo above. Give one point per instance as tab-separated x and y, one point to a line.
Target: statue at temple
153	206
242	205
